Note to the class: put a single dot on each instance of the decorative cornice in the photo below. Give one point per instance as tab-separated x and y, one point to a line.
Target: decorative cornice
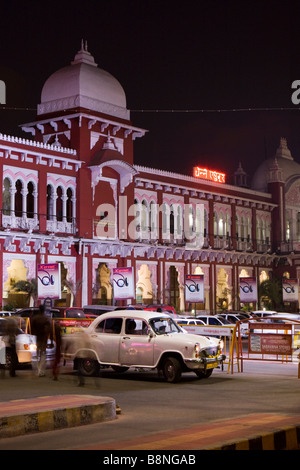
185	181
33	143
79	101
39	158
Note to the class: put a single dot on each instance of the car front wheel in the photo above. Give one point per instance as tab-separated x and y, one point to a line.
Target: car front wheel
204	374
88	367
172	369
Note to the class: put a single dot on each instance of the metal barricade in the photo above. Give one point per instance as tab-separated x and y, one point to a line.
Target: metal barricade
274	339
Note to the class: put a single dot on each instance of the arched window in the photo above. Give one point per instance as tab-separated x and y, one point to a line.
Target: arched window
248	229
205	233
153	220
144	216
243	228
298	227
172	221
59	204
215	224
137	215
221	225
191	222
49	202
166	221
19	199
179	222
30	200
6	196
69	208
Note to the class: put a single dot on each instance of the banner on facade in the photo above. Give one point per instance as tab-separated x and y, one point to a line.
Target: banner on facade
194	288
49	281
248	289
123	282
290	290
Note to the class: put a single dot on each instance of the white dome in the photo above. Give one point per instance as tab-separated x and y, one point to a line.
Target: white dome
289	168
83	84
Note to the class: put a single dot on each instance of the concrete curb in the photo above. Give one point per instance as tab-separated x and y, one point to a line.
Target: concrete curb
19	417
285	439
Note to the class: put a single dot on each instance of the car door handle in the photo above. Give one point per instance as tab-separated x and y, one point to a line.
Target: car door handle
126	337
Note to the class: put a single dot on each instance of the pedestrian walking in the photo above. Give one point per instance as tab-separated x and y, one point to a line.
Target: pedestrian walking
82	346
11	335
40	327
57	340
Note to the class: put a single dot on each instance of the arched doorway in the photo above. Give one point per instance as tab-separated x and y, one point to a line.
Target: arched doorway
102	289
16	271
144	291
223	292
174	288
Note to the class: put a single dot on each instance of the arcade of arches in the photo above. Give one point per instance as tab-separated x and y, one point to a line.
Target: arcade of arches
16	269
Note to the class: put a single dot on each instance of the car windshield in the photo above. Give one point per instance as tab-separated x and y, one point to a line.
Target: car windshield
224	321
162	326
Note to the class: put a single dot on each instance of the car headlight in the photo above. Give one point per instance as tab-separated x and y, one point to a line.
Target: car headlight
197	349
30	347
221	344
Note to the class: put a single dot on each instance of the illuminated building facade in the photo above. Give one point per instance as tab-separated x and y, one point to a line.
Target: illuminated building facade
72	194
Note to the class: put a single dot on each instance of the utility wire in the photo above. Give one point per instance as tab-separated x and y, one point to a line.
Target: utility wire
228	110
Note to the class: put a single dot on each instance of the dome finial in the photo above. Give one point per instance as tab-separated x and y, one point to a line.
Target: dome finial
283	150
84	56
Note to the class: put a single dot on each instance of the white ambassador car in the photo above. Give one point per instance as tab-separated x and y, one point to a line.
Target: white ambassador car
142	339
25	346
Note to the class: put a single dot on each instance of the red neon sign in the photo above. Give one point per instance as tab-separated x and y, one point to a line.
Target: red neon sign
212	175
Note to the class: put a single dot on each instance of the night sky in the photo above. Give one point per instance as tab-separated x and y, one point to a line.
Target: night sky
203	59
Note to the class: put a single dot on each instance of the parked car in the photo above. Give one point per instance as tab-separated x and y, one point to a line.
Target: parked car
97	310
26	313
25	346
169	309
5	313
214	320
288	316
216	326
142	339
190	325
30	311
68	312
234	318
270	325
262	313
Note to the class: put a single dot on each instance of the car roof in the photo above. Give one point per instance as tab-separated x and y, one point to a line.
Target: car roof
139	314
264	311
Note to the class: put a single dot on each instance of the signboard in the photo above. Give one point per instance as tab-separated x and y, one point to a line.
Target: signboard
123	282
70	326
49	281
290	290
211	175
248	289
270	344
194	288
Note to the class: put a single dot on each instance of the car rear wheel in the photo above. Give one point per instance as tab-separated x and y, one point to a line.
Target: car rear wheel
204	374
172	369
88	367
